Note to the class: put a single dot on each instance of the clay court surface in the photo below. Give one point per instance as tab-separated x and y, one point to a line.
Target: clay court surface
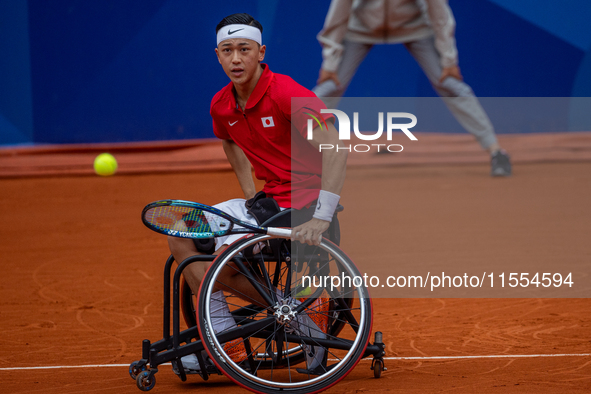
80	283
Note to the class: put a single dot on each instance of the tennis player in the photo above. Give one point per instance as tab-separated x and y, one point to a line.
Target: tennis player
254	118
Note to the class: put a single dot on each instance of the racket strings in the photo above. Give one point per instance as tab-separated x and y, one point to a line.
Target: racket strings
186	219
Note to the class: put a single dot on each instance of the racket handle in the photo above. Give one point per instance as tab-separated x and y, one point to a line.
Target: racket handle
279	232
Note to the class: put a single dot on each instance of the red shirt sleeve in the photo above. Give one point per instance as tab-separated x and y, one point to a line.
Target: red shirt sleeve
220	130
309	108
299	104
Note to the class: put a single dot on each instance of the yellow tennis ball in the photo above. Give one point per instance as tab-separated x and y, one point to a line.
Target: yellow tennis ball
105	164
304	292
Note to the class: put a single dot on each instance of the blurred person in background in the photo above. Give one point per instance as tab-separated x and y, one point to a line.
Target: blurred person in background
427	30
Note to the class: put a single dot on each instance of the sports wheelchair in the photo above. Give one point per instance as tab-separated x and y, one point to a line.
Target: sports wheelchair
299	333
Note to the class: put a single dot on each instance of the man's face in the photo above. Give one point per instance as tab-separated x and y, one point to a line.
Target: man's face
240	58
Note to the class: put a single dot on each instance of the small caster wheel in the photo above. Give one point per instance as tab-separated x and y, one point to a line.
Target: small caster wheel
134	369
378	366
145	381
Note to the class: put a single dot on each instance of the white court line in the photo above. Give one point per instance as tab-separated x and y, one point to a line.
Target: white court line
69	366
366	359
492	356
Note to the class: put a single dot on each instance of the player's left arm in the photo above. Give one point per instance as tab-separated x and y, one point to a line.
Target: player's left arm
334	163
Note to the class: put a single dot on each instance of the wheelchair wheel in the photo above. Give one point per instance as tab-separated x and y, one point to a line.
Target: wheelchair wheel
294	329
189	310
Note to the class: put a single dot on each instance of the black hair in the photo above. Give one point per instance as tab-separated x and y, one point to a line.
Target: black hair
239	19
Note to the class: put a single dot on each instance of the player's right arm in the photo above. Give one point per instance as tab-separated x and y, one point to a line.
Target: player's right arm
334	164
241	166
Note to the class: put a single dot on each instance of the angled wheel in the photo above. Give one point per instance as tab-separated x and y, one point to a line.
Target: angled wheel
378	367
292	331
146	381
135	369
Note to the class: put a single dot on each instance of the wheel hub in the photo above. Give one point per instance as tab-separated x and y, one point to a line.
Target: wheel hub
284	311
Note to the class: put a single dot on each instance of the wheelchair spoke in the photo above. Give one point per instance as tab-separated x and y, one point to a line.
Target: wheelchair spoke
240	307
254	351
259	287
311	328
288	366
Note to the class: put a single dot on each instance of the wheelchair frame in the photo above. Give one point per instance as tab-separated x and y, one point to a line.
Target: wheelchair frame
171	348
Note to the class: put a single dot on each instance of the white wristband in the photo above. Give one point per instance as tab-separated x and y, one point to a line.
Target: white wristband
326	205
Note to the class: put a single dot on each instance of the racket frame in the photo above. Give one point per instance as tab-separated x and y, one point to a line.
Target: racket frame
248	228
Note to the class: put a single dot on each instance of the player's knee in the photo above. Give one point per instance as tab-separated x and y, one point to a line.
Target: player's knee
181	247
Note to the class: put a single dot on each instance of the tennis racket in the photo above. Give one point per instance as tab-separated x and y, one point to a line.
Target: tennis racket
186	219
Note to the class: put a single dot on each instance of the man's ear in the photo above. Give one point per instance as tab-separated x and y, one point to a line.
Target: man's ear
262	51
217	53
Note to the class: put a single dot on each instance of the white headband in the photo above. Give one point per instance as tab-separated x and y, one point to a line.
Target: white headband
240	31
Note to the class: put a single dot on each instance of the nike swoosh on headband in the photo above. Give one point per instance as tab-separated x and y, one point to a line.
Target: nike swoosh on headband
241	31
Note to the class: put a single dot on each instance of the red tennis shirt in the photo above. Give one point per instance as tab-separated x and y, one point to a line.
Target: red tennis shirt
272	134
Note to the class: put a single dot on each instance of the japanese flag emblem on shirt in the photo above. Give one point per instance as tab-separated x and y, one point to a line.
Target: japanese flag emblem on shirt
268	121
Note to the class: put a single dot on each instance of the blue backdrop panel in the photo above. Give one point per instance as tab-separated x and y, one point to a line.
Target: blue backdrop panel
135	70
73	45
502	54
16	108
566	19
